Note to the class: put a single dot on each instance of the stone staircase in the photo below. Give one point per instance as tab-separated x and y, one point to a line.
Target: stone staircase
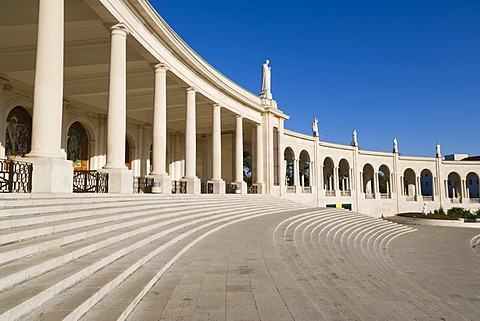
71	256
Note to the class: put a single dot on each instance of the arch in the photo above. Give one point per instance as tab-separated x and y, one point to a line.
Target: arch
409	184
368	178
344	182
328	176
77	146
472	186
18	133
87	125
304	170
289	157
454	185
384	184
426	183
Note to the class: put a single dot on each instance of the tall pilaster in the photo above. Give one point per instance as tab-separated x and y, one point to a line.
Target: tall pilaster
159	172
51	172
217	181
259	165
193	183
241	185
120	178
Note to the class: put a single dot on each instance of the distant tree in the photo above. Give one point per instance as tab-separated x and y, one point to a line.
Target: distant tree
247	168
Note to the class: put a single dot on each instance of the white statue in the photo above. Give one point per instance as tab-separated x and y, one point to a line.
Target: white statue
395	145
315	127
266	81
424	209
354	138
438	154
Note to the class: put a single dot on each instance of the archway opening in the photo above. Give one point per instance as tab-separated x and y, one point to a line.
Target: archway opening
18	135
454	187
426	181
368	181
472	187
289	167
77	146
384	184
409	184
344	177
304	170
328	177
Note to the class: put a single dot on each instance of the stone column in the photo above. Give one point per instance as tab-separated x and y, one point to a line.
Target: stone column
159	151
193	183
3	82
120	179
296	175
241	185
259	178
217	181
52	173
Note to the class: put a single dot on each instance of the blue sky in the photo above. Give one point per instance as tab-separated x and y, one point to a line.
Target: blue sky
404	68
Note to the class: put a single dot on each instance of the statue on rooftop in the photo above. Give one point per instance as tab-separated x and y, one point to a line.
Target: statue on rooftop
395	145
266	81
315	127
438	153
354	138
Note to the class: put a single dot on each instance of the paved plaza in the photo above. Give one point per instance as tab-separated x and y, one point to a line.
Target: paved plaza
249	271
229	257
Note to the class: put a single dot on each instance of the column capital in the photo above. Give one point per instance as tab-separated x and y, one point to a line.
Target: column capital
238	116
192	90
160	67
119	29
216	105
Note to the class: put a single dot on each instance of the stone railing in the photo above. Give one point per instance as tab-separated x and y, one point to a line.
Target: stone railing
291	189
330	193
346	193
306	189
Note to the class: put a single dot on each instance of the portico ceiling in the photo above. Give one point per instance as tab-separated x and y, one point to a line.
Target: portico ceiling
86	72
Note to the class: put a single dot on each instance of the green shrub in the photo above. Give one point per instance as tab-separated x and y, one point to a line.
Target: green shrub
458	212
441	211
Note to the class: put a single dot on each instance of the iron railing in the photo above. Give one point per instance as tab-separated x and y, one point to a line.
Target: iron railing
179	187
15	177
252	189
142	184
231	188
209	188
90	181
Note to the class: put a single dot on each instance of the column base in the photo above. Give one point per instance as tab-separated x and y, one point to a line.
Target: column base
260	188
218	186
51	175
165	183
120	181
193	185
241	187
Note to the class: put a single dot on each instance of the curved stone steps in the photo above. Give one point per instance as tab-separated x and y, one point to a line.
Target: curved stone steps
345	265
347	301
62	267
201	226
340	248
81	227
98	311
83	243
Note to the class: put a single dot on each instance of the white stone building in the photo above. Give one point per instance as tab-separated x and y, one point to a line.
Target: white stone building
106	86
